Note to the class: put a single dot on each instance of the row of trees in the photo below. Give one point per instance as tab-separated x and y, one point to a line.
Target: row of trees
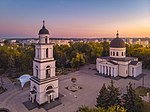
16	58
99	109
77	54
143	53
73	55
110	100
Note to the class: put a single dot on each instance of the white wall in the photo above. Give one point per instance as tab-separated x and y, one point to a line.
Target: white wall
42	52
123	70
41	90
42	68
119	50
137	69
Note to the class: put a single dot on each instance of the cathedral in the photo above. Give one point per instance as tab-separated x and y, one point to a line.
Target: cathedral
43	83
117	64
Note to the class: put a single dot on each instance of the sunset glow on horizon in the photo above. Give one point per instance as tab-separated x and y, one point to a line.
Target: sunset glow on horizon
75	18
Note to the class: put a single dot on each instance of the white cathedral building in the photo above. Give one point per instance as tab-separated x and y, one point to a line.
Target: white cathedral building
43	83
117	64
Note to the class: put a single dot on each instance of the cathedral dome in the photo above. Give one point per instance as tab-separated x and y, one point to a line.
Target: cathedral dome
43	30
117	42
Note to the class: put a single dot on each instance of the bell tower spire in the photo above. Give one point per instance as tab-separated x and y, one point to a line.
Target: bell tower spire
43	24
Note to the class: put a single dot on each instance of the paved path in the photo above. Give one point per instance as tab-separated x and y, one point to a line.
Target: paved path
86	78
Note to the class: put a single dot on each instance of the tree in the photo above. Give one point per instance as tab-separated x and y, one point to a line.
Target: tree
11	62
108	96
1	77
105	48
131	101
116	108
99	109
78	61
113	95
102	99
87	109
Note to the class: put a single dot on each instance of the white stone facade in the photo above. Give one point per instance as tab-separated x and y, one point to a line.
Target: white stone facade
44	83
117	64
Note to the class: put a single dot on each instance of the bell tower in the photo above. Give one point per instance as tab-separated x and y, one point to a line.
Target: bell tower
44	83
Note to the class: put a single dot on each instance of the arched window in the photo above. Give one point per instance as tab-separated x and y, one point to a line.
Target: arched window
46	52
113	53
46	40
48	72
49	88
117	53
34	88
132	71
36	71
109	71
122	53
106	70
38	53
103	69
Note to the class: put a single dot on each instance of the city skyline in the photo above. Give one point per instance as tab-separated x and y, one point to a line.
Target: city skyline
78	18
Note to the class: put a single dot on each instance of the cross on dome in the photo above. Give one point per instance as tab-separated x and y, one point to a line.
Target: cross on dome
43	30
117	35
43	23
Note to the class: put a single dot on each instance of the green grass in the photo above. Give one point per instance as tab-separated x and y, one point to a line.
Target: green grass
142	91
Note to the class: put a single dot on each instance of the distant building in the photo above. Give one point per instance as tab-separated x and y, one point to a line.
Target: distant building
44	83
130	41
117	64
60	42
144	43
2	44
12	41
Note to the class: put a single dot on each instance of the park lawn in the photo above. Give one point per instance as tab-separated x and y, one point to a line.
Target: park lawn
146	107
142	91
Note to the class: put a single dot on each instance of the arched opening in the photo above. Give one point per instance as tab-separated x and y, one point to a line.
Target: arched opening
48	71
46	40
106	70
132	71
34	88
113	53
109	71
38	53
50	94
49	88
103	70
46	52
33	94
122	53
36	71
117	53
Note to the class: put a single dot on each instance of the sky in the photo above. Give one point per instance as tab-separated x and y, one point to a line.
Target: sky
75	18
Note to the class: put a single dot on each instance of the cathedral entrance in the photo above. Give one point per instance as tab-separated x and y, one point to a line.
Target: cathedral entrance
50	94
